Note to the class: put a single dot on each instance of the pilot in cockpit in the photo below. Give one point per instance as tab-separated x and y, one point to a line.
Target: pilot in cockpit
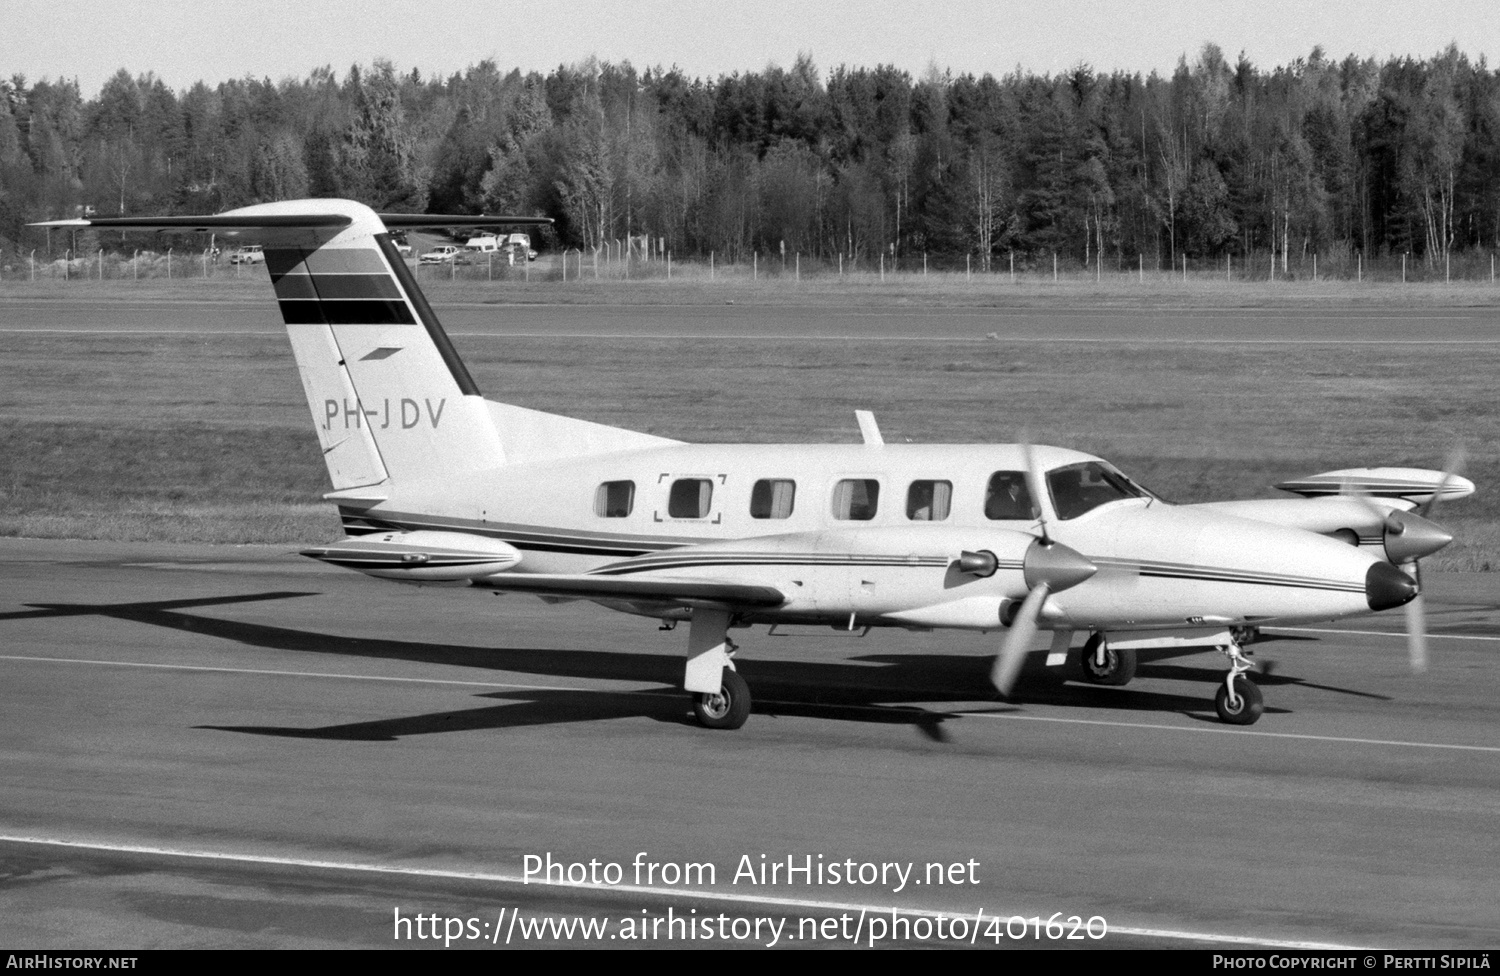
1007	497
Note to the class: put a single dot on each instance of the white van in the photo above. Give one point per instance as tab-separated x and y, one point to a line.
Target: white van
484	243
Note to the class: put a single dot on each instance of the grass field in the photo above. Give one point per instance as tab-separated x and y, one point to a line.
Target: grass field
207	437
692	285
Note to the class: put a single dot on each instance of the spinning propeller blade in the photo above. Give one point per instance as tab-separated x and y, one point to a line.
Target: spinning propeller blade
1049	567
1035	486
1018	641
1452	468
1416	610
1416	625
1422	535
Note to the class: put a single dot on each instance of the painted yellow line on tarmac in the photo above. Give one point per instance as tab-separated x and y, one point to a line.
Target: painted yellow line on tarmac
500	877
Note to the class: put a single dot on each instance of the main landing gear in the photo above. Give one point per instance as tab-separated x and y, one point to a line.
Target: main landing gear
1239	701
721	699
729	708
1106	665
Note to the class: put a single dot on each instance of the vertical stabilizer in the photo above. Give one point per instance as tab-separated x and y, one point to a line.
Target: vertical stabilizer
389	397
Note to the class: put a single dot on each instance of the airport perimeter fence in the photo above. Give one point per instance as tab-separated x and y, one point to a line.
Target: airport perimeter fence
609	264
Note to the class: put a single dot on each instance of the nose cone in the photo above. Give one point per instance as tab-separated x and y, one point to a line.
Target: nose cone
1387	587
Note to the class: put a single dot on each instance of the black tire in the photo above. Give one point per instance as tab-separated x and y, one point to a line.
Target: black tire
1119	663
1250	706
729	708
1245	634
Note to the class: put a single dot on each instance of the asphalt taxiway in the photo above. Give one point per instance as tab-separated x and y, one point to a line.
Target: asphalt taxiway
239	747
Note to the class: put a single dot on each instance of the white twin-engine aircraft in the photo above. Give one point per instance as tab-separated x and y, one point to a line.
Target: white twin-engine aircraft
436	484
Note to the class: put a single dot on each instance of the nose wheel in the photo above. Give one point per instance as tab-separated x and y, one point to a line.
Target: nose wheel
1239	701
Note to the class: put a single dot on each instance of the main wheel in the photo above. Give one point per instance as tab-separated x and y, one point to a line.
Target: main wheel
1245	634
1118	667
729	708
1247	709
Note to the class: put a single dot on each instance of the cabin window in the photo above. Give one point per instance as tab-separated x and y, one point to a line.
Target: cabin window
614	499
772	498
856	499
1007	497
691	498
928	501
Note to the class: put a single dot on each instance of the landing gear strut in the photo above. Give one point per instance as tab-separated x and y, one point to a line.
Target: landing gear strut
1239	701
721	699
1103	664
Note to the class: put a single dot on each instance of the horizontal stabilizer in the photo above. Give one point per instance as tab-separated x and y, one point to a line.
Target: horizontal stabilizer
411	221
278	217
217	223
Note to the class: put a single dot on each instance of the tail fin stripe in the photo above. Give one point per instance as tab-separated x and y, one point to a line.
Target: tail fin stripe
327	286
345	312
346	260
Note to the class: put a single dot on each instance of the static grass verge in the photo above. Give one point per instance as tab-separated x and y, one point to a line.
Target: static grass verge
692	285
194	439
142	520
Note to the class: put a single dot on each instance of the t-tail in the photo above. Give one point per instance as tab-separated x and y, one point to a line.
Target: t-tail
390	398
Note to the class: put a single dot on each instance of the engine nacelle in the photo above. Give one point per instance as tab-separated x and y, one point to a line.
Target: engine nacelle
423	556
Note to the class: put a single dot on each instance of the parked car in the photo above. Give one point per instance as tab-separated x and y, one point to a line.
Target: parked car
483	244
403	247
521	244
249	254
443	254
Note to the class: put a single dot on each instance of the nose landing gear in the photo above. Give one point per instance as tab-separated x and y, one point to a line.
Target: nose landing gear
1239	701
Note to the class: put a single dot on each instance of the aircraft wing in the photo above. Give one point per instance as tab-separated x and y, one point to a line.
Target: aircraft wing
1326	514
685	592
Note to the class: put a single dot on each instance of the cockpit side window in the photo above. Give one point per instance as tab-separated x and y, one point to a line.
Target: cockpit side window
1083	487
1007	497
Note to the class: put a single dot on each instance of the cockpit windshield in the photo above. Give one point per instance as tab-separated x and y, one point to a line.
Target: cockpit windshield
1083	487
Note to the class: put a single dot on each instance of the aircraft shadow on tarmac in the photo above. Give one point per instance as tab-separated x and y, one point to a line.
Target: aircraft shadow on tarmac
850	690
